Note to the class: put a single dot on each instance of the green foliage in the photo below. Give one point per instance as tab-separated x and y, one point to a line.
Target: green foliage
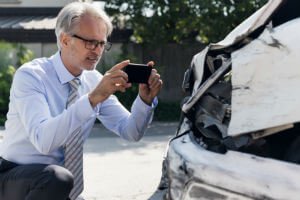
6	75
10	54
6	55
161	21
167	111
23	54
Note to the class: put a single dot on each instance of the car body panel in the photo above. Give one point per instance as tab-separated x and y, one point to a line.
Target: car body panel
252	176
200	191
258	97
199	60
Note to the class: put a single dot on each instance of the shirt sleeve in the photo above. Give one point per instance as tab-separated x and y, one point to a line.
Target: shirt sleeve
46	132
129	126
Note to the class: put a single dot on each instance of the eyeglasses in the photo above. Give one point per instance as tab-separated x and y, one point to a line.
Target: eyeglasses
93	44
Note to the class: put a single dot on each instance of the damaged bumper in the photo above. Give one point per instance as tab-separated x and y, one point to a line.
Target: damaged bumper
232	175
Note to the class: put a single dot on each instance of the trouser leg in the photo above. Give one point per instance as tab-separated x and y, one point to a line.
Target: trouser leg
36	182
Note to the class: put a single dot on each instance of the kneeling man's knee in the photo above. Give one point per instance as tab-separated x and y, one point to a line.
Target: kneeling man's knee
60	178
55	182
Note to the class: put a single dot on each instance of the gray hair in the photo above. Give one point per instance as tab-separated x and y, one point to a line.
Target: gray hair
69	17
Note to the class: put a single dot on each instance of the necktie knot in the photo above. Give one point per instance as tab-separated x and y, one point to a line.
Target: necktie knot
74	84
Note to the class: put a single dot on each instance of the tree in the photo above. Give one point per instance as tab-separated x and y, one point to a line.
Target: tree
8	52
162	21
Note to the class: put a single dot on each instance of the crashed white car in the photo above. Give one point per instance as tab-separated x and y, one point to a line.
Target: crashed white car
239	137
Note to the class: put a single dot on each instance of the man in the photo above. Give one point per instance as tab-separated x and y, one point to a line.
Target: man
54	103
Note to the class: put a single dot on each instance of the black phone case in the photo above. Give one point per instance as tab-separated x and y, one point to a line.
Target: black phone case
138	73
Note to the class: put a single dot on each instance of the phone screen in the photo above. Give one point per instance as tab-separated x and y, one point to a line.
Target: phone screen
138	73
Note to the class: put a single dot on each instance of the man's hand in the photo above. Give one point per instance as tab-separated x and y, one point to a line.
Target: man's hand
113	80
150	91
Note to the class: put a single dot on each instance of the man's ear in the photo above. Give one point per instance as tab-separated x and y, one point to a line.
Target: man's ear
64	39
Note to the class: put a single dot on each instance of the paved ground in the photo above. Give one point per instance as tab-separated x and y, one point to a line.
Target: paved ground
115	169
119	170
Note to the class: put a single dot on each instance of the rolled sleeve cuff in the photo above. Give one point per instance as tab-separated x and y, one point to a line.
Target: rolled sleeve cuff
144	106
142	110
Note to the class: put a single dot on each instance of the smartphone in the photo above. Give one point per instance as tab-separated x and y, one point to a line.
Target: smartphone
138	73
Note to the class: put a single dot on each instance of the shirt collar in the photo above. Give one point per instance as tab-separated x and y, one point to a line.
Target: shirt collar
63	74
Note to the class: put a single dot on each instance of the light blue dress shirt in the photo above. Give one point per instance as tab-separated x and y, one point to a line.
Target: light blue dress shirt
38	123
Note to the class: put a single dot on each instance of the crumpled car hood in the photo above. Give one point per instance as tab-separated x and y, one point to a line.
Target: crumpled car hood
266	80
265	74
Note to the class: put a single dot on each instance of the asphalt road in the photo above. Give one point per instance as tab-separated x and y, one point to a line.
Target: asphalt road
115	169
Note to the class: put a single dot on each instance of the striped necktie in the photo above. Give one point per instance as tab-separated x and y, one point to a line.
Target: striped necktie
74	147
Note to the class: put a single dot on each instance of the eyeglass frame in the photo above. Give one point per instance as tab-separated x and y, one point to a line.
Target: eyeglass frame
95	43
